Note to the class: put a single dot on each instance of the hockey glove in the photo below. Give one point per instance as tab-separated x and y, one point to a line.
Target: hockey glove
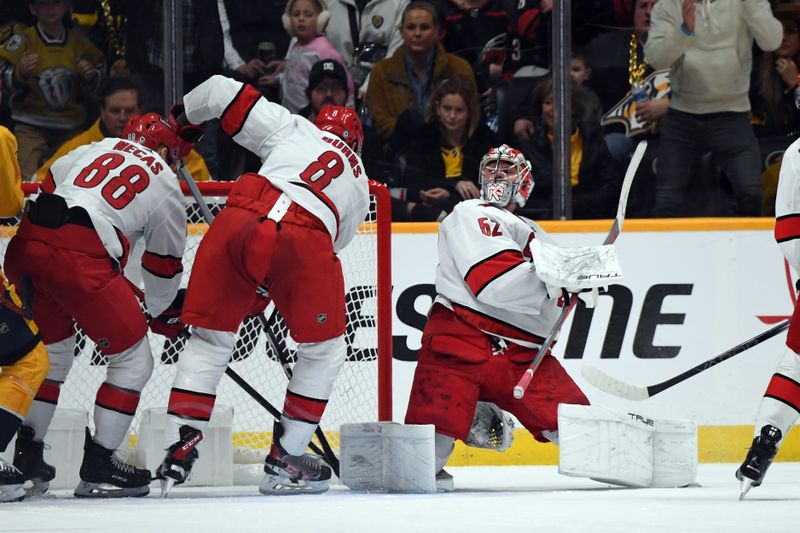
169	322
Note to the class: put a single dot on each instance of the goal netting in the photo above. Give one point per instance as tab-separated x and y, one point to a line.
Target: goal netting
363	388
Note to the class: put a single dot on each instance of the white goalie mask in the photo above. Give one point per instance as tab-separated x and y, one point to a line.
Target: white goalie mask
505	177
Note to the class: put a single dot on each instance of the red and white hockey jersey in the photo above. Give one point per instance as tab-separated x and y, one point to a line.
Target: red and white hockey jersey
127	187
313	168
787	206
486	277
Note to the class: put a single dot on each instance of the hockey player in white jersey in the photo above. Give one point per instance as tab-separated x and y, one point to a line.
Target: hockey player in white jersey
68	255
780	406
490	315
280	229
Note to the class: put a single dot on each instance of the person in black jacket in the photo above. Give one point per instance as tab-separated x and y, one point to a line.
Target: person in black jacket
596	180
438	166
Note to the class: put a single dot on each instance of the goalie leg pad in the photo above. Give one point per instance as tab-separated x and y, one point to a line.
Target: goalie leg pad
444	393
626	448
387	456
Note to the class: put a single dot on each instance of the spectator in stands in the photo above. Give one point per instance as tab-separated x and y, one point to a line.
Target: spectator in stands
305	20
202	46
402	83
708	50
50	70
121	99
595	179
364	32
438	167
327	85
772	95
591	109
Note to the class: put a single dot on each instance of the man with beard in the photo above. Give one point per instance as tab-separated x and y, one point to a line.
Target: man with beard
327	85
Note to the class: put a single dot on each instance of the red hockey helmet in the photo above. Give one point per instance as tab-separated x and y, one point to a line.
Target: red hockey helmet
152	130
344	123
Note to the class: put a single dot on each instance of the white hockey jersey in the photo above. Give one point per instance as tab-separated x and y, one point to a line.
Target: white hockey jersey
787	206
485	275
127	187
315	169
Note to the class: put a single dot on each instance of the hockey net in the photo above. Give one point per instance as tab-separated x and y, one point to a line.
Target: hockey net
363	388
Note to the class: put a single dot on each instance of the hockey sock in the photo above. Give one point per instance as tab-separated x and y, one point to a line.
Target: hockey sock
41	411
300	418
114	408
781	403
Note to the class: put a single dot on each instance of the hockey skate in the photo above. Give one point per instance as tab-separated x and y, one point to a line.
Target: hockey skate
177	465
758	459
104	475
293	474
29	460
444	481
11	481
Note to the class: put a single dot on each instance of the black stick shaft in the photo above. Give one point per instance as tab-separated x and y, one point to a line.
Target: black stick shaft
746	345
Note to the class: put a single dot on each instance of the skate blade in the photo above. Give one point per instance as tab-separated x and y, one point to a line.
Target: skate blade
283	486
746	485
166	485
106	490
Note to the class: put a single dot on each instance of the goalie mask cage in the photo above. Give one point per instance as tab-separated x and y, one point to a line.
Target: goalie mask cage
362	391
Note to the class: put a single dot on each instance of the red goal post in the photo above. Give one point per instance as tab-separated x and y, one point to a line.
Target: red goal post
363	390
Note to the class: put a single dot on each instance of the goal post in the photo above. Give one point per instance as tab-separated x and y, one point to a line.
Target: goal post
363	389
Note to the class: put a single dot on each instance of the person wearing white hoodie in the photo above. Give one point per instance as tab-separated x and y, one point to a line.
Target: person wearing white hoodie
707	45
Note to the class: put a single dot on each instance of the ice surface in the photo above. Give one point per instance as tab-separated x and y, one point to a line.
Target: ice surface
487	499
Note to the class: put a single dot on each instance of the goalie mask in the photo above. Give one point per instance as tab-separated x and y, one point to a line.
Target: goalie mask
505	177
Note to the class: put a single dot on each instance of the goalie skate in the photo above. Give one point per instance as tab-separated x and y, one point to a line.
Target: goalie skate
104	475
758	459
29	460
11	480
179	460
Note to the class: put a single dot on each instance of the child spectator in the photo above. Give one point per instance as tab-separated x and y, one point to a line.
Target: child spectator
305	20
49	68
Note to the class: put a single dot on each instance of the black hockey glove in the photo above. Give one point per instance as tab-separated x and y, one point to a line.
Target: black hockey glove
169	322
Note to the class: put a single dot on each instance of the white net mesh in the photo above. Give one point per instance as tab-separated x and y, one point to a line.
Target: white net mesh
355	395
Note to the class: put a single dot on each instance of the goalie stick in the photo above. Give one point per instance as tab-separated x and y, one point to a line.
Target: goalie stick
326	452
613	233
611	385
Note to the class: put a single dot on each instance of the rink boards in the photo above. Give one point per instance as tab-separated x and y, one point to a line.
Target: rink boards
692	289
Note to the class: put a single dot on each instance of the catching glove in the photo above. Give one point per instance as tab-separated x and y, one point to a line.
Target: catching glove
169	322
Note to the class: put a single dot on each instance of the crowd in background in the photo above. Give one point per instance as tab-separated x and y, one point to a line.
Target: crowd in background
436	84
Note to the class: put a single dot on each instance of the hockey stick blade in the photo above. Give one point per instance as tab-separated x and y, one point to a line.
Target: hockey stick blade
619	388
613	233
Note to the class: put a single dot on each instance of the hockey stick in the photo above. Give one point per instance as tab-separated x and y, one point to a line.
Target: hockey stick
611	385
613	233
326	453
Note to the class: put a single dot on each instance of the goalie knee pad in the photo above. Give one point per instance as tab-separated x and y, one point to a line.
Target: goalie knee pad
317	366
130	369
443	448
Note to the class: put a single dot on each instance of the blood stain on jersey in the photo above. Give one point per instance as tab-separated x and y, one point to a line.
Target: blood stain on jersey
377	21
322	318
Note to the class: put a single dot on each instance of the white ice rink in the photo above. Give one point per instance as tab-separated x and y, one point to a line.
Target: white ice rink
487	499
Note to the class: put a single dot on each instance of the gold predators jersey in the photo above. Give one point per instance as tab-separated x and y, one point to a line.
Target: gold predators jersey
53	96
